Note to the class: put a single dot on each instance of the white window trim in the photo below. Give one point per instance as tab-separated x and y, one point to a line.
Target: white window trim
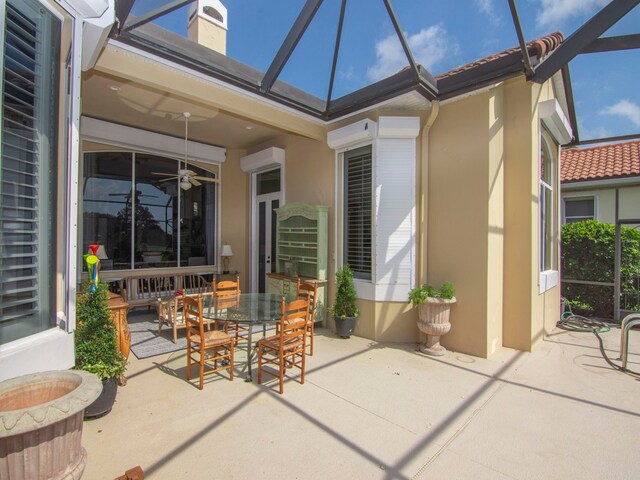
363	133
551	115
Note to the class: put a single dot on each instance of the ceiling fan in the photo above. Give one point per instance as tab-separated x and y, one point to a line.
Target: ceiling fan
187	177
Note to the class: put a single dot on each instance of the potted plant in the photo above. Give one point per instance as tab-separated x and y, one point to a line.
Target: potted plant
434	306
96	346
345	310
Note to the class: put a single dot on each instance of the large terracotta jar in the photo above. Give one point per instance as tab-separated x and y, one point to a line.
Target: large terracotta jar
41	424
433	320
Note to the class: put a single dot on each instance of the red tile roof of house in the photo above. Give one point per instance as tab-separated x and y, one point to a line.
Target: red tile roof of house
537	49
597	163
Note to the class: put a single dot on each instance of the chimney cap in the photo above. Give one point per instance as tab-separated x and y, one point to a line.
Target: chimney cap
212	10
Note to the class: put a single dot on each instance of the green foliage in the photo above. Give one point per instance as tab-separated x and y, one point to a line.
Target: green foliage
345	302
420	294
95	336
588	253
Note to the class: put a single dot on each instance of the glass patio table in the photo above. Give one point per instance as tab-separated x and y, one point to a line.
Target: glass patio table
248	309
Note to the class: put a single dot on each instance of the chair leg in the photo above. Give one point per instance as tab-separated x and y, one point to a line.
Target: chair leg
175	333
304	356
311	340
231	361
188	361
259	363
202	351
281	374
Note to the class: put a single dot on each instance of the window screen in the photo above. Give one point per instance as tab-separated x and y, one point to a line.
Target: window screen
579	209
357	211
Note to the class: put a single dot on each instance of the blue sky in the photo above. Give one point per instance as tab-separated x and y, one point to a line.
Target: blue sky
442	34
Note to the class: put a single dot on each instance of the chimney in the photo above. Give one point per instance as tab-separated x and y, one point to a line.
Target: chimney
208	24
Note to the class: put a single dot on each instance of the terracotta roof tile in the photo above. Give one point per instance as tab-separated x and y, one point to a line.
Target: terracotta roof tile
596	163
537	49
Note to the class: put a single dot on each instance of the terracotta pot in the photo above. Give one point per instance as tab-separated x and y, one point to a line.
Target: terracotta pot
41	424
433	320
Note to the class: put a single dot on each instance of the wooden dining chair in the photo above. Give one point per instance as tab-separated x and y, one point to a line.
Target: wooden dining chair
205	347
287	348
309	291
227	293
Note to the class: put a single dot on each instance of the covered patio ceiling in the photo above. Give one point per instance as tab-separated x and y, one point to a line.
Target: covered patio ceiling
140	32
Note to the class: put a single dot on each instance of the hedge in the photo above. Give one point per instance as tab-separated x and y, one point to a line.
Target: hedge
588	253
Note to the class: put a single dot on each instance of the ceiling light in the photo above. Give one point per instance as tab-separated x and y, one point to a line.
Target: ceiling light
115	88
249	127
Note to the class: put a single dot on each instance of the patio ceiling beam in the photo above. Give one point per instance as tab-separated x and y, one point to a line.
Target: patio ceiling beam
123	9
610	44
158	12
526	60
571	106
401	37
286	49
582	37
335	52
619	138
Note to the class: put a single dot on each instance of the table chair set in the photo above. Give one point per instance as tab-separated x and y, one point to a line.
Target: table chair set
217	321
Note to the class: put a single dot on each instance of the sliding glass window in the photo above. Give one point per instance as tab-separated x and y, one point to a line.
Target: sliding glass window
131	208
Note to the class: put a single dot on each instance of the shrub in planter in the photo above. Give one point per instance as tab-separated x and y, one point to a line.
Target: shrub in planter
344	309
434	306
96	345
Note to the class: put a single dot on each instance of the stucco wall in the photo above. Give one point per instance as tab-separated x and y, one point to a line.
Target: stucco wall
605	202
528	314
458	213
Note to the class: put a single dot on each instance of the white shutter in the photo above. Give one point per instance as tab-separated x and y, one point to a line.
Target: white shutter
395	212
27	249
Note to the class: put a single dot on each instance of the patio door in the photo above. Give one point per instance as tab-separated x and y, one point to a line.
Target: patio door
268	197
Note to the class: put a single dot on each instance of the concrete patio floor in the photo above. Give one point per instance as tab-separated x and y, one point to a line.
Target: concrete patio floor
382	411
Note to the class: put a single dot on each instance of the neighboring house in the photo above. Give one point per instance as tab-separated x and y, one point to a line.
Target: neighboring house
590	178
443	178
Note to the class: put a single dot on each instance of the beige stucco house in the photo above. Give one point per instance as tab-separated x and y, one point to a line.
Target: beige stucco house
590	178
462	178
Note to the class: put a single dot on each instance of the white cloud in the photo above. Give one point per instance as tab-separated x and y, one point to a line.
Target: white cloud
624	108
587	133
485	6
553	13
429	46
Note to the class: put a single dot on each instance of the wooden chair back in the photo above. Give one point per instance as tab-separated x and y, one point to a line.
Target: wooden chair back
293	321
227	287
309	291
192	311
227	293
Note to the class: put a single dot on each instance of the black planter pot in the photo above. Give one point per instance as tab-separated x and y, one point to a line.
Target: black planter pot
345	326
104	403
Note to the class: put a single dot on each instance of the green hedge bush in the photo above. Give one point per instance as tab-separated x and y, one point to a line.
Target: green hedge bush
588	253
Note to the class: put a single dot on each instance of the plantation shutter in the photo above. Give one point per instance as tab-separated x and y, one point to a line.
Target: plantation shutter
395	211
358	208
27	189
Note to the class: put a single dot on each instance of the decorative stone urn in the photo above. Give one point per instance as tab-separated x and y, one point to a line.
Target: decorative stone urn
433	320
41	424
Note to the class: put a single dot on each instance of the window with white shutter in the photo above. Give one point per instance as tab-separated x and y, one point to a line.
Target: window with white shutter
30	67
357	211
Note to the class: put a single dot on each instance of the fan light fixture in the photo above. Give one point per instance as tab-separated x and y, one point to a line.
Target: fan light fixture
186	178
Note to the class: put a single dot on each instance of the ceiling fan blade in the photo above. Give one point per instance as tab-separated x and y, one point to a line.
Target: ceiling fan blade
207	179
194	182
164	174
168	179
